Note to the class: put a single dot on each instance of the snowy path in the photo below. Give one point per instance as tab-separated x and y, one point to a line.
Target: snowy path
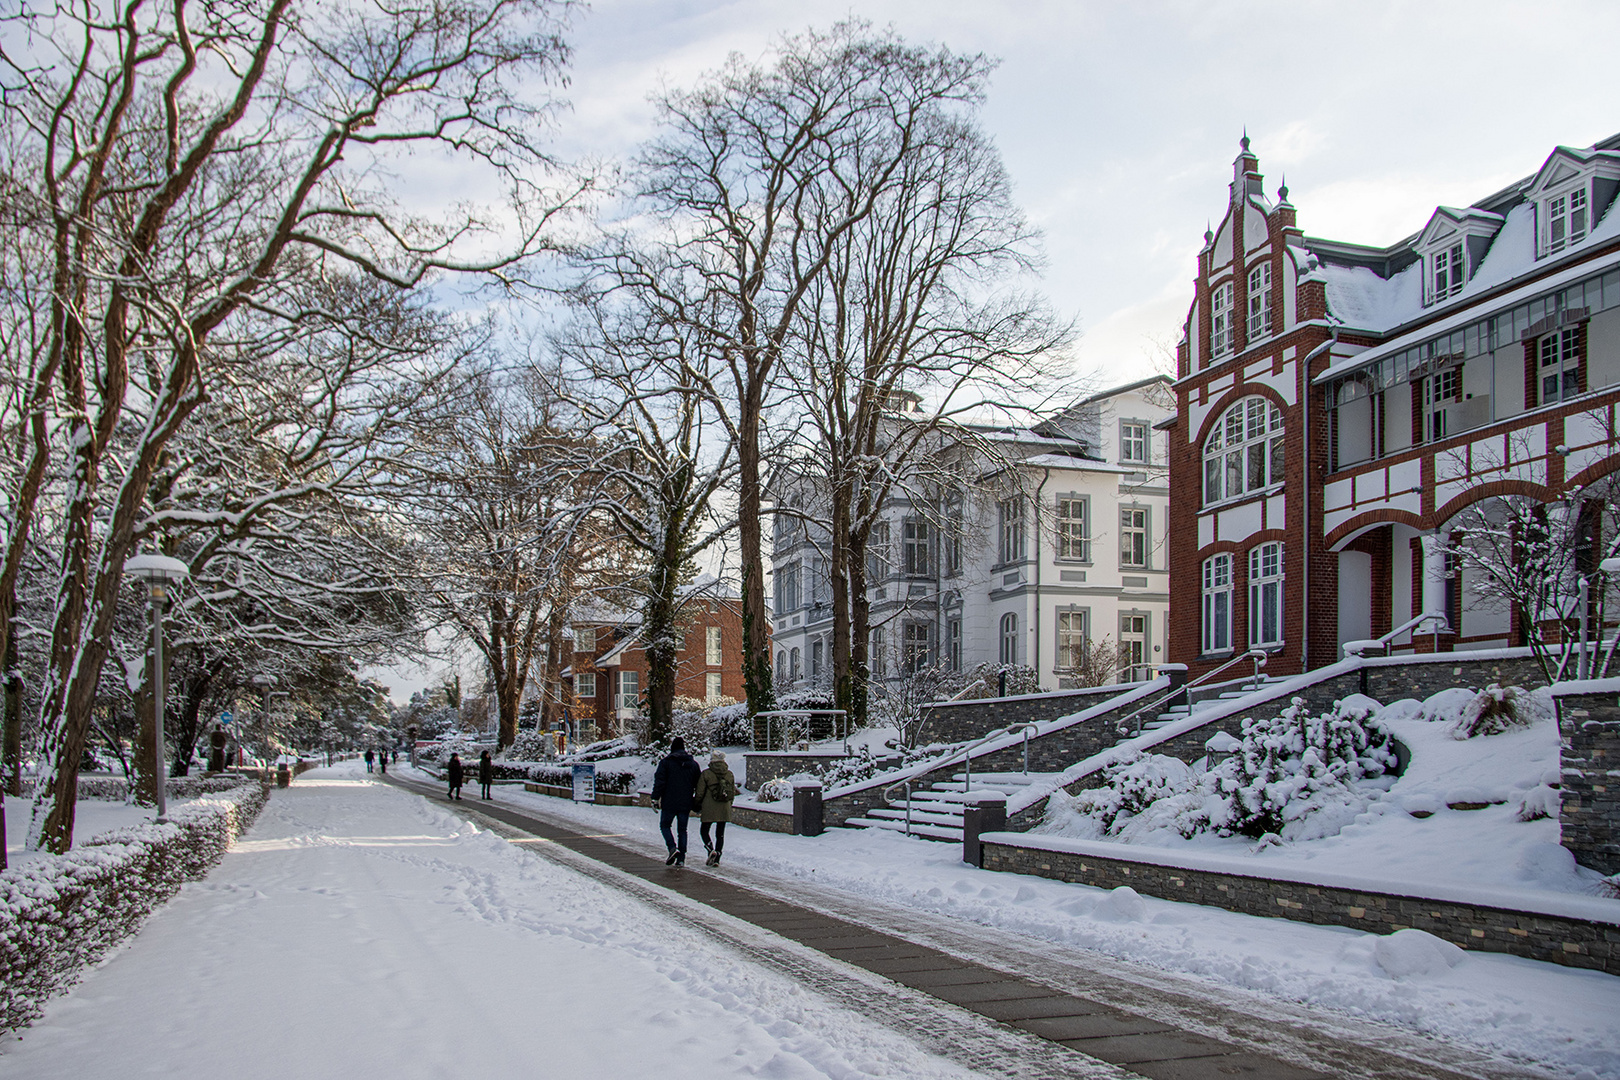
361	931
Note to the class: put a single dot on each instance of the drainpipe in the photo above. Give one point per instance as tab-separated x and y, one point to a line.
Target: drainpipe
1046	474
1305	504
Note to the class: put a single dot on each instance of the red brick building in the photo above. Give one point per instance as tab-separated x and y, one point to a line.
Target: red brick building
607	673
1338	405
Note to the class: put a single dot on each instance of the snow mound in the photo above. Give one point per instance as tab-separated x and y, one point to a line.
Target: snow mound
1414	953
1447	707
1123	904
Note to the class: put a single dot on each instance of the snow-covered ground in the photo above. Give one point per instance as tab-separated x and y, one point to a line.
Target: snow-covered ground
1561	1017
362	931
90	818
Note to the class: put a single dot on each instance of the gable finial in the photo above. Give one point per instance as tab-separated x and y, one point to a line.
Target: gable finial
1244	142
1282	191
1209	234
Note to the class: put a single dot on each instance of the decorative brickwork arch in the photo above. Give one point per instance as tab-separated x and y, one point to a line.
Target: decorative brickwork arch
1493	490
1593	473
1232	397
1347	532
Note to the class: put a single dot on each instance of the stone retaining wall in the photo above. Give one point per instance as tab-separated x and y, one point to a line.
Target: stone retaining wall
1589	817
1559	939
750	817
766	765
962	721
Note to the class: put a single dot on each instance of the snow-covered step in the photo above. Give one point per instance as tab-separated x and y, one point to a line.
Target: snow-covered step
958	796
889	814
927	832
929	806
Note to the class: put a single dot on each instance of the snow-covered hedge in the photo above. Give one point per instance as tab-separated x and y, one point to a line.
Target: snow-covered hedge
60	914
610	781
116	788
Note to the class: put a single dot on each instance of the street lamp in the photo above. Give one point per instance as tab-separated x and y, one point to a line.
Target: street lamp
159	572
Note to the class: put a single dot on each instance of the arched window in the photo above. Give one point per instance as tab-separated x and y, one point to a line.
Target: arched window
781	666
1245	451
794	665
1217	603
1009	638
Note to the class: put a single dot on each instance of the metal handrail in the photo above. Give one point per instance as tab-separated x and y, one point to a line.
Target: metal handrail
1256	656
773	714
1411	624
1026	728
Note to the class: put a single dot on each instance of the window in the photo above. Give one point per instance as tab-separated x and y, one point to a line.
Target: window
1217	603
1133	442
1071	639
1566	219
953	537
1012	530
629	692
1133	537
1439	389
711	645
1133	635
819	587
914	538
1245	451
787	589
711	686
795	664
1260	301
816	648
877	552
1558	366
1073	536
1220	309
1449	271
1009	638
584	639
953	644
585	685
878	657
915	654
781	666
1265	595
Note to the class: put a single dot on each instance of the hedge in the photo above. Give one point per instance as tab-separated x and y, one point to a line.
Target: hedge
60	914
611	781
116	788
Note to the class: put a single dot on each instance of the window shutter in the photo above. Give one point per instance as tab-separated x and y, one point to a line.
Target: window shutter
1530	383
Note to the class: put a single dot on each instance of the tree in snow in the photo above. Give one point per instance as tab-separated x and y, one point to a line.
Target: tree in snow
180	169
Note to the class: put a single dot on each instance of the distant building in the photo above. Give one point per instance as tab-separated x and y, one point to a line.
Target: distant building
1061	544
1339	405
606	676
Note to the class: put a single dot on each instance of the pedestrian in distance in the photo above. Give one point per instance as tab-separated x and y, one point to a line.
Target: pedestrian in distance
452	772
369	757
715	790
382	762
396	757
486	774
674	784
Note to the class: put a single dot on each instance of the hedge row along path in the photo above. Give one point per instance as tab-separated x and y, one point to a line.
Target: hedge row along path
1010	1015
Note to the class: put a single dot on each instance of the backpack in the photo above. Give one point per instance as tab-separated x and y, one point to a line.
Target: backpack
717	789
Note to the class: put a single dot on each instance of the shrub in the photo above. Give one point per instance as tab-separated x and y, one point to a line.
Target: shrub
775	790
60	914
531	745
1494	710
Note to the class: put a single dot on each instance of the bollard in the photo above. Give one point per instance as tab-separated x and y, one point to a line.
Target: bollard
985	812
216	751
283	774
807	818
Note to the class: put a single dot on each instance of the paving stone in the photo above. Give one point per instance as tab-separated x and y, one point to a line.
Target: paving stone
1149	1046
900	965
1096	1025
1036	1008
958	974
1003	990
1225	1067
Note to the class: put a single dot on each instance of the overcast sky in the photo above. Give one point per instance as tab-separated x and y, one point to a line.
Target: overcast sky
1119	120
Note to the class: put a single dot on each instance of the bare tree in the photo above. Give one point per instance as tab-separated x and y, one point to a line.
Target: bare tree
184	167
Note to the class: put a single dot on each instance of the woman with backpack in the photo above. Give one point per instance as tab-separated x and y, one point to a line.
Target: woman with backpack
716	787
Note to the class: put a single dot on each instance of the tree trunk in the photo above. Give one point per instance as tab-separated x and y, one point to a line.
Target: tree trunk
842	662
659	631
756	643
860	632
12	753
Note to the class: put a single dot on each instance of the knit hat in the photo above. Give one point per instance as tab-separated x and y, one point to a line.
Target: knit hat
717	758
677	744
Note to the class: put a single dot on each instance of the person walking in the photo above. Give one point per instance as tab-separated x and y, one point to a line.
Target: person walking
486	774
715	790
673	787
369	757
452	772
382	762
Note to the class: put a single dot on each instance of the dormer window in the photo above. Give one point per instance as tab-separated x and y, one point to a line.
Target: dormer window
1566	219
1450	271
1220	306
1260	302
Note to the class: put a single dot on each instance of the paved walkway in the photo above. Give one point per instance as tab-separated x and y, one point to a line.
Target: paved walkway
1094	1027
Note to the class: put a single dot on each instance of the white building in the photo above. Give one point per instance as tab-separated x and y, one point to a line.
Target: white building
1060	545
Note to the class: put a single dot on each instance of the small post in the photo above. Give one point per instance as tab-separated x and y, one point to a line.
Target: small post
986	812
807	815
1581	587
1001	690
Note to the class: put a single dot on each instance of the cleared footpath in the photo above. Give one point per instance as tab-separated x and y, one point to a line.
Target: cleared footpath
1109	1022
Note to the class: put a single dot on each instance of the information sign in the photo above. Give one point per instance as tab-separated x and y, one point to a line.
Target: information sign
584	783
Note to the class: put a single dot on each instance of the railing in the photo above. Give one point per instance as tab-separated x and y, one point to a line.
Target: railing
1028	728
1255	656
1358	648
840	726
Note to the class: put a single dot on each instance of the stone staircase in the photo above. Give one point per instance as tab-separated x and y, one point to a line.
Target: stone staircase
936	812
1222	694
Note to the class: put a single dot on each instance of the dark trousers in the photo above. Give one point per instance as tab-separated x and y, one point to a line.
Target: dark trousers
719	835
680	818
455	790
485	785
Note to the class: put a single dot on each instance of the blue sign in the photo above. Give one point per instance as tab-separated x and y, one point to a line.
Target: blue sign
584	783
226	717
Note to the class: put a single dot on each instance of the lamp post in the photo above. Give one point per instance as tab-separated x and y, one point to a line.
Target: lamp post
159	572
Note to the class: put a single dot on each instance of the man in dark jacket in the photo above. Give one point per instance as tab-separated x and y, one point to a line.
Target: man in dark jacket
673	786
486	774
452	773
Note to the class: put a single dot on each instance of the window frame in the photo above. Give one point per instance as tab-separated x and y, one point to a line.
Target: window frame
1215	618
585	639
1072	546
1448	271
1134	670
1011	530
713	641
582	679
877	661
1220	319
787	589
1076	636
1561	211
878	565
1007	638
1240	445
713	686
623	679
1566	365
1143	532
916	548
916	646
1126	440
953	642
1266	587
1259	320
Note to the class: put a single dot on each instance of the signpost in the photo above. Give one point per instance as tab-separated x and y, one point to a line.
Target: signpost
585	783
